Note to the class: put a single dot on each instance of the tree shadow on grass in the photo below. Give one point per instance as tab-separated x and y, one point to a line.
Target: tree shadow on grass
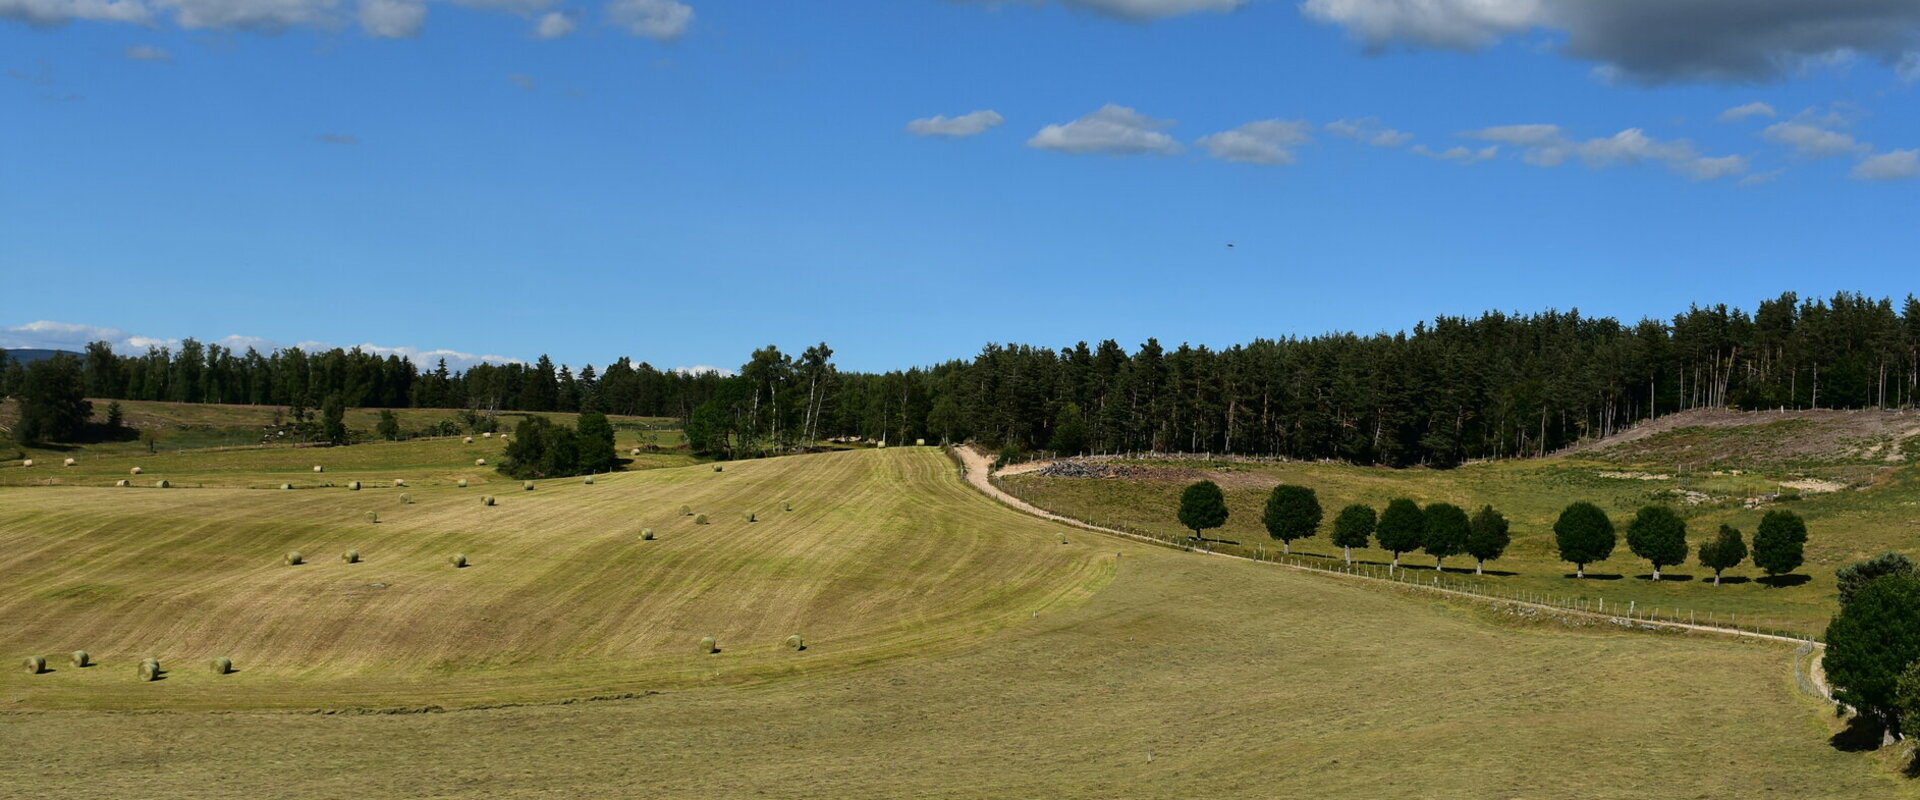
1862	734
1784	581
1593	576
1731	579
1665	576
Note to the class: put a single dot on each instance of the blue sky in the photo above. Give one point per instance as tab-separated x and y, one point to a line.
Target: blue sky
681	182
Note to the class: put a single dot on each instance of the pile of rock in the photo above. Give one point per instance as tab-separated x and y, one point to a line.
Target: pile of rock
1086	469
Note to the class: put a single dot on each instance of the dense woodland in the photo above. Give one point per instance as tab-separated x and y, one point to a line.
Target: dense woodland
1453	389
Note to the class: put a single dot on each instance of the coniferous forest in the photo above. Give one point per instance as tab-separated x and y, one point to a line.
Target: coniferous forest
1498	385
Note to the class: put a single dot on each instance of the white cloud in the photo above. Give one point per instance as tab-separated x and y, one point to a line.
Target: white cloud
1709	169
259	16
1144	10
1457	154
1550	146
523	81
1446	24
1269	142
147	52
1813	141
1909	67
392	19
702	369
1898	165
1368	130
68	336
969	124
1754	109
1521	135
1114	130
1759	178
553	25
48	13
660	20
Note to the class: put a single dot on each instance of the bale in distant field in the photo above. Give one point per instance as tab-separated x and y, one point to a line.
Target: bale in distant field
487	435
469	440
350	557
486	501
795	643
589	480
373	517
286	486
293	559
27	463
882	445
163	483
699	519
709	645
634	452
526	486
123	482
36	664
399	484
718	468
686	511
150	669
406	498
459	560
646	534
134	471
71	462
318	468
354	485
79	658
222	665
463	483
749	516
479	462
787	505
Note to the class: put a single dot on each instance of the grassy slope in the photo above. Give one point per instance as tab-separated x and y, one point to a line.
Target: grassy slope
1846	525
884	554
1238	680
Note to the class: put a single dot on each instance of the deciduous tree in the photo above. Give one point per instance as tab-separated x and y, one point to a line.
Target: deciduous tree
1584	535
1723	552
1293	512
1488	539
1402	528
1353	527
1779	544
1658	535
1202	508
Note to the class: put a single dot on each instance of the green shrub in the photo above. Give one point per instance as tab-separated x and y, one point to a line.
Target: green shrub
293	559
699	519
350	557
795	643
222	665
487	501
709	645
36	664
646	534
80	659
459	560
150	669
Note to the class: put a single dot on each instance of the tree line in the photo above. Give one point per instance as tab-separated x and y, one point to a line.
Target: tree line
1454	389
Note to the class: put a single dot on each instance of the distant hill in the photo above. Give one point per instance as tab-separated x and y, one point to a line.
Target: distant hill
28	355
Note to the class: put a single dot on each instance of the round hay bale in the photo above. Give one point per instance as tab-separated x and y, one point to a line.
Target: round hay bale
882	445
462	483
699	519
479	462
718	468
318	468
350	557
487	435
526	486
646	534
406	498
709	645
293	559
134	471
150	669
686	511
71	462
795	643
285	486
469	440
373	517
80	659
27	463
163	483
589	480
459	560
399	484
749	517
787	506
486	501
123	482
222	665
919	443
353	485
36	664
634	452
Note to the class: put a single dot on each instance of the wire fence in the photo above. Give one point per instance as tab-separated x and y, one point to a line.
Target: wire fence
1626	613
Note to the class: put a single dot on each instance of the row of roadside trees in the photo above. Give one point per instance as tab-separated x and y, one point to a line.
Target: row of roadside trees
1584	534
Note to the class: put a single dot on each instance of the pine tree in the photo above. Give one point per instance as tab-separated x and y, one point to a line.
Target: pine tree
53	401
1354	528
1069	431
389	427
1402	528
1293	512
1659	536
1445	531
333	415
1584	535
1723	552
1203	507
1778	546
596	443
1488	539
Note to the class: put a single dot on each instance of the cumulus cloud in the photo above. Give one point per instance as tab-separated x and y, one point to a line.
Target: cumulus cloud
1551	146
49	13
1270	142
1898	165
553	25
1754	109
702	369
1651	41
257	16
969	124
660	20
147	52
1369	130
339	138
392	19
1457	154
1708	169
1811	140
1113	130
1143	10
69	336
